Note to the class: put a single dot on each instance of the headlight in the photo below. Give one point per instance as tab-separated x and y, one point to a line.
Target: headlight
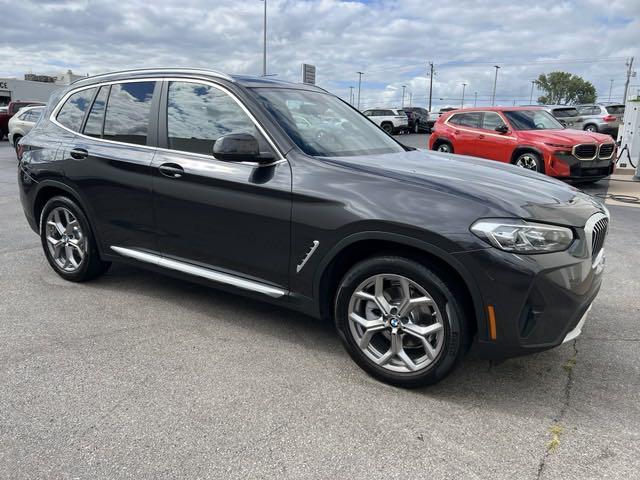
519	236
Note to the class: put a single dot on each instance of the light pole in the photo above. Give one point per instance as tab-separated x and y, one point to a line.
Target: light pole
475	99
264	42
533	82
464	85
404	87
610	88
410	99
430	84
351	95
495	82
359	85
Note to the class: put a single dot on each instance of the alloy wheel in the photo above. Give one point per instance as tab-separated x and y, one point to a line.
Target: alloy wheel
396	323
527	161
65	240
444	147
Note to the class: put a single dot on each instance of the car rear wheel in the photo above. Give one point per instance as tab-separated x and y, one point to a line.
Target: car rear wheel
591	128
445	147
530	161
68	241
416	127
400	321
388	127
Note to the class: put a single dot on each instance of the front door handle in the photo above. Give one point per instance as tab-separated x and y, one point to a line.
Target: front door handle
480	136
171	170
79	153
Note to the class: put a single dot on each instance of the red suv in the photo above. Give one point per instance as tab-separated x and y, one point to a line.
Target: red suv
529	137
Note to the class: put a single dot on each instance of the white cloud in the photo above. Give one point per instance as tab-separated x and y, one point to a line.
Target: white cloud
391	41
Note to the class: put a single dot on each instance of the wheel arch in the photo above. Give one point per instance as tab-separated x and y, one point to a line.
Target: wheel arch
360	246
440	140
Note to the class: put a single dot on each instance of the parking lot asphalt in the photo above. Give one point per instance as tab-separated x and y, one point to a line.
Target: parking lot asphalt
136	375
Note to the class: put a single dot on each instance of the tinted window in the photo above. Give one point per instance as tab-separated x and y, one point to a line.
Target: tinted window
491	121
72	113
471	119
615	109
93	127
565	112
127	118
532	120
388	113
197	115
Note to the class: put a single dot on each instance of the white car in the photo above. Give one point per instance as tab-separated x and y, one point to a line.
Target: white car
22	122
391	120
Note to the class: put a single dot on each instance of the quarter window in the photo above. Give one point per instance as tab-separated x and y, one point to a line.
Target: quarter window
93	128
127	117
72	113
197	115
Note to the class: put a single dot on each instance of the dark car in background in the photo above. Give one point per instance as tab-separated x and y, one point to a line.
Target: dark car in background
413	254
418	119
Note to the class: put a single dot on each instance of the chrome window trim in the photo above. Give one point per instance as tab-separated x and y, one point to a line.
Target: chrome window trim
595	155
194	270
479	130
612	151
280	157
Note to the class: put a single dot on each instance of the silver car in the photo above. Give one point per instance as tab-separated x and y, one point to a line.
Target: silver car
602	117
22	122
567	115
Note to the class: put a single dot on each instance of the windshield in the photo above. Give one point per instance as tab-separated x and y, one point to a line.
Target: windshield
532	120
324	126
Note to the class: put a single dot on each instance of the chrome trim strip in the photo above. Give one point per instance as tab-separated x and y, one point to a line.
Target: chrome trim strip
575	333
62	101
209	274
588	230
595	154
612	151
306	258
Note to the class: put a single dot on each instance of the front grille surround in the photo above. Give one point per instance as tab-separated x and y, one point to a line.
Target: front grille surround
596	230
605	151
585	151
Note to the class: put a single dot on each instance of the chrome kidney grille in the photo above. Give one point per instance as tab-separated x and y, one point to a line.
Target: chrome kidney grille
605	151
598	235
585	151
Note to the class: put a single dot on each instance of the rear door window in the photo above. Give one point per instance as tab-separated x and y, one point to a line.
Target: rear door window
491	121
93	127
127	116
73	111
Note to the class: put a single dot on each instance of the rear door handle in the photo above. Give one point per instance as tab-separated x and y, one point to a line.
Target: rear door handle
79	153
171	170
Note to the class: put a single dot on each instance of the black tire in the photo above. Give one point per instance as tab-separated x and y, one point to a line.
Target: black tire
91	266
443	146
591	128
388	127
527	160
16	139
416	127
456	332
2	134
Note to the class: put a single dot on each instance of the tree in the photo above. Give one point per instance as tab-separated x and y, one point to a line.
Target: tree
563	88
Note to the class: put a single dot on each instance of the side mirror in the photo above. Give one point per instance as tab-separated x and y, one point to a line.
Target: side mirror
237	147
502	129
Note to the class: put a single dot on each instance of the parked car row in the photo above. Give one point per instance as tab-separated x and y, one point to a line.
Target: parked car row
596	117
11	109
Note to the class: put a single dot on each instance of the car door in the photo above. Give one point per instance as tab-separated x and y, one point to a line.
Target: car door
109	162
464	129
223	216
490	143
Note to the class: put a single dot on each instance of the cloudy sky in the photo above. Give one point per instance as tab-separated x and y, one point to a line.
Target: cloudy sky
391	41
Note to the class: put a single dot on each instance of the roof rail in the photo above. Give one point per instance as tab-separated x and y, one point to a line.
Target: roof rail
159	70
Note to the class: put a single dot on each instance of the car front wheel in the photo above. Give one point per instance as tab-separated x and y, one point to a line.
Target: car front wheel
530	161
444	147
400	321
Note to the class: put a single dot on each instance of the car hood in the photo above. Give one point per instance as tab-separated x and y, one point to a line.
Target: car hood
500	189
565	136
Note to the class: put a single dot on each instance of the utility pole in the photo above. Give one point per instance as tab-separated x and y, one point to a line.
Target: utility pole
359	85
404	87
264	42
410	99
630	72
464	85
475	99
430	84
495	82
351	95
610	88
533	82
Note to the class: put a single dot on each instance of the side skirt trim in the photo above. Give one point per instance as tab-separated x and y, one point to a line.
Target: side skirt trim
200	272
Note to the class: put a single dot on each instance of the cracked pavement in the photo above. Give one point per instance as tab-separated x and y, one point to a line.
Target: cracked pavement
137	375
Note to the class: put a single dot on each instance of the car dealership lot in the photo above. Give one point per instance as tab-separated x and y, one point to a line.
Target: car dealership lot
139	375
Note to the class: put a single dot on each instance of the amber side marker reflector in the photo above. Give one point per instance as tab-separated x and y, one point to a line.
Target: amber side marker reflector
492	322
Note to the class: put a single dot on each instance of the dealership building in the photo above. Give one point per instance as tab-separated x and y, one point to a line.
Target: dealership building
33	87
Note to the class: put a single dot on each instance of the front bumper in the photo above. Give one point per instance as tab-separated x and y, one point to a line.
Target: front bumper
540	301
569	167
